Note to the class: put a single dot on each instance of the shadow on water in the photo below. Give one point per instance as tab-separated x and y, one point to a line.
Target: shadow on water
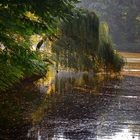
15	107
81	106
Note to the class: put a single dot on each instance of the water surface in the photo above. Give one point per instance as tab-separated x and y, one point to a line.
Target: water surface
81	106
78	106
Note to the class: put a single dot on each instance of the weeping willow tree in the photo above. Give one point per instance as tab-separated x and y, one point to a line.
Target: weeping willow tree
110	59
79	41
85	45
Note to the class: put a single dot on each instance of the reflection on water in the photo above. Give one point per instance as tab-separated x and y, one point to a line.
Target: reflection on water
124	135
74	106
82	106
133	64
133	70
134	60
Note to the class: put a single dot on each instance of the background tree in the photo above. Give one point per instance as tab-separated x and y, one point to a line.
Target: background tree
122	16
109	58
86	46
78	42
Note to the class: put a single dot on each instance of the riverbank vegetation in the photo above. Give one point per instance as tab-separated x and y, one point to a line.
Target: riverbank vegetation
85	45
110	60
78	40
35	35
19	20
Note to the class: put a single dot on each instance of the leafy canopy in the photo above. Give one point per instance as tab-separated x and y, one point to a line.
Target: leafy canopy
21	18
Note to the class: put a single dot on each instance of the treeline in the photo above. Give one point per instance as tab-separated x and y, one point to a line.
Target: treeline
79	41
85	45
123	17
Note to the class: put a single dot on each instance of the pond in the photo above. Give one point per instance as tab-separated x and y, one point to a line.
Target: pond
78	106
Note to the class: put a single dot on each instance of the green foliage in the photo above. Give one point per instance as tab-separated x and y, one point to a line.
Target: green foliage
110	59
19	19
9	75
86	46
14	67
78	43
24	18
